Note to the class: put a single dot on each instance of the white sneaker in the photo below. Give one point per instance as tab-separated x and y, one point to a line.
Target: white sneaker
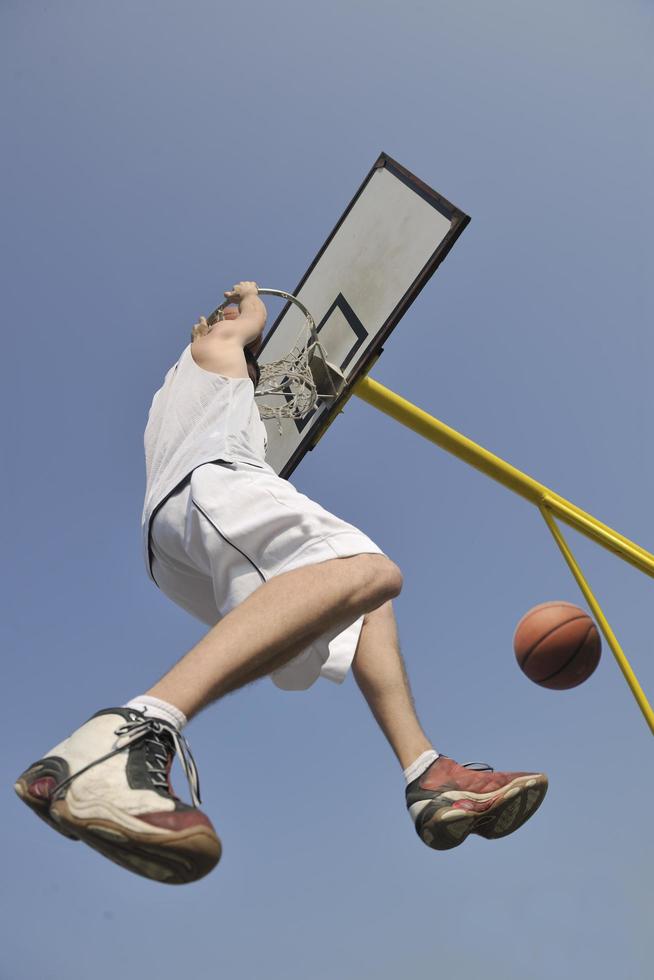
109	786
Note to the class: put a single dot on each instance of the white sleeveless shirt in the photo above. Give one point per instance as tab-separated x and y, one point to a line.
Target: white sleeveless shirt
196	417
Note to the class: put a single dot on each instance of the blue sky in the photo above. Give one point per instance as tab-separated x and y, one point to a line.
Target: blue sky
158	152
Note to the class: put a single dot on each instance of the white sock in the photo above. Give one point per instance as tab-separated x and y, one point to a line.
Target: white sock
422	763
156	708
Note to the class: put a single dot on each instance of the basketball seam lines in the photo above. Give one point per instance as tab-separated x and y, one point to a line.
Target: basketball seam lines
544	637
543	680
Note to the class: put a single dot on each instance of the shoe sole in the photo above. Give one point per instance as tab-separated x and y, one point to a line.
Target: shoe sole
173	858
510	814
443	827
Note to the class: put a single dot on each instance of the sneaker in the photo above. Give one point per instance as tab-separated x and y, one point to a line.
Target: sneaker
109	786
450	801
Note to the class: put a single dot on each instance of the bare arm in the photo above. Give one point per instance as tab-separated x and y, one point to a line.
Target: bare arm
248	325
221	348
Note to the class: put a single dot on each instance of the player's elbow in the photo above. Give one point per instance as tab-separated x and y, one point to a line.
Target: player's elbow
248	330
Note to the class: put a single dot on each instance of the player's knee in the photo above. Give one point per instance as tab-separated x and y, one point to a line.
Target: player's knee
385	576
394	578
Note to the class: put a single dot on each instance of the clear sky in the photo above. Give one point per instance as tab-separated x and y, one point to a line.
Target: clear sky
156	152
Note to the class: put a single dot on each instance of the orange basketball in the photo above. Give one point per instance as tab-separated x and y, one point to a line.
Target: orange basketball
557	645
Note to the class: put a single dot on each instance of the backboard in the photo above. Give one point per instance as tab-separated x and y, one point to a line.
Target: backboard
389	242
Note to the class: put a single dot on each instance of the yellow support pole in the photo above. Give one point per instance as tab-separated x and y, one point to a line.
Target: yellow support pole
611	638
548	502
498	469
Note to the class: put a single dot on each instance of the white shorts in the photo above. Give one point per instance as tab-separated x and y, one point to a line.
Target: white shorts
228	529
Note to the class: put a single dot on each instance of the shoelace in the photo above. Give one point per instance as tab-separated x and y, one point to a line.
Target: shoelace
478	766
150	729
142	728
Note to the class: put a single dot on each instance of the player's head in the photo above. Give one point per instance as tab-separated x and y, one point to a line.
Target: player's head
255	345
253	364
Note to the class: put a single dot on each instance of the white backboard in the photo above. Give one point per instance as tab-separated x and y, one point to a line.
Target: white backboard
392	237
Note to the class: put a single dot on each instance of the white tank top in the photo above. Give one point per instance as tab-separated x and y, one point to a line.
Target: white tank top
196	417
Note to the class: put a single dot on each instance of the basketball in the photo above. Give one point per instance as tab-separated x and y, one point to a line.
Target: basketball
557	645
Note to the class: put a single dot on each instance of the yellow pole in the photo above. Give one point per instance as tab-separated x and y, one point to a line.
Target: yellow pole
537	493
498	469
611	638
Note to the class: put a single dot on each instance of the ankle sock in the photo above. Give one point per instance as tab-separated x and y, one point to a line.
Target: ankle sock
419	766
156	708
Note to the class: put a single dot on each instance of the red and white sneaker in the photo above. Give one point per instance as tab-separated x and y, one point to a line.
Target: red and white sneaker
450	801
109	786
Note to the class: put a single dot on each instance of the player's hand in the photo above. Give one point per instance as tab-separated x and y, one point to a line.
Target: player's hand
202	328
241	290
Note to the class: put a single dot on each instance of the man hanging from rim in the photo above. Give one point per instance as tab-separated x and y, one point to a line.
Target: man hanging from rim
288	590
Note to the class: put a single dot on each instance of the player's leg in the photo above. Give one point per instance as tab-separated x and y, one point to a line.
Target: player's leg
274	625
108	783
379	671
445	800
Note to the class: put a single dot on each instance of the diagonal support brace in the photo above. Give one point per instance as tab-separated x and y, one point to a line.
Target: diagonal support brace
609	635
548	501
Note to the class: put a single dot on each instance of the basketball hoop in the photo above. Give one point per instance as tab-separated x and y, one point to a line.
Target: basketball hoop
301	377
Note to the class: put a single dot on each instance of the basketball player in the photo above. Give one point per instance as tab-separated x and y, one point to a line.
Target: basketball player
289	590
